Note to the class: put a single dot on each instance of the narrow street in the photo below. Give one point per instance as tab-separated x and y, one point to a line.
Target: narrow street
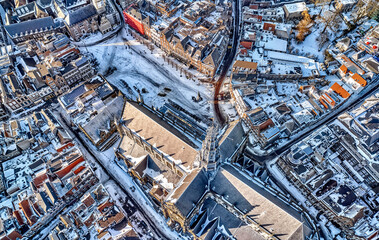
152	225
227	62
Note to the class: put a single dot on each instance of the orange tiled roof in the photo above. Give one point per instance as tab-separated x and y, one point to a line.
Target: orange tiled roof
359	79
246	44
340	90
343	68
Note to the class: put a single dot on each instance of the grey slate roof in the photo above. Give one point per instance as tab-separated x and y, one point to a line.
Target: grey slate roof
231	139
103	118
44	3
257	203
189	193
38	24
234	226
80	14
69	98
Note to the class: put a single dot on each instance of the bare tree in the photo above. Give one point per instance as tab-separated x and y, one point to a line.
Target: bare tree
365	8
303	28
331	19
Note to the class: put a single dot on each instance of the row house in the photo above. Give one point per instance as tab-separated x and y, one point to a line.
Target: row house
204	55
57	84
79	70
3	112
27	12
205	59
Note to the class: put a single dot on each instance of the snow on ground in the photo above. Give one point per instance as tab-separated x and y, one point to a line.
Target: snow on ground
229	110
310	45
117	194
138	69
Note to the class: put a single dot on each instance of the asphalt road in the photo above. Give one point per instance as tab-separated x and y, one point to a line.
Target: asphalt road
227	62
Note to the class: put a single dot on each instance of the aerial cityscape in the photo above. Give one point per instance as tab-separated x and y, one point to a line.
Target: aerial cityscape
189	119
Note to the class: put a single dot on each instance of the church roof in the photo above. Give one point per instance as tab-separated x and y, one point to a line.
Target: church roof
263	207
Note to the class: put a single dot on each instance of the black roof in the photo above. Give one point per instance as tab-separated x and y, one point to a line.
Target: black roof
80	14
30	61
44	3
36	164
30	26
68	68
70	97
189	193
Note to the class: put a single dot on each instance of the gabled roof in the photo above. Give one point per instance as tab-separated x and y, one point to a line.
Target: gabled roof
186	196
159	133
80	14
262	206
213	58
101	122
39	24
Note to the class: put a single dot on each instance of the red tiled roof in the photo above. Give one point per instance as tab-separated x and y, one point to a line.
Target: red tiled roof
88	201
24	204
253	6
90	220
259	17
18	217
38	181
246	44
79	169
269	27
68	145
63	172
14	235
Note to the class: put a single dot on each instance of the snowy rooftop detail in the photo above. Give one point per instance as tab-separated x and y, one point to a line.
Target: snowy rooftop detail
296	7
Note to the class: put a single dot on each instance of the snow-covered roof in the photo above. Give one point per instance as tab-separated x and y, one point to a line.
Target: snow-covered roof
276	44
296	7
